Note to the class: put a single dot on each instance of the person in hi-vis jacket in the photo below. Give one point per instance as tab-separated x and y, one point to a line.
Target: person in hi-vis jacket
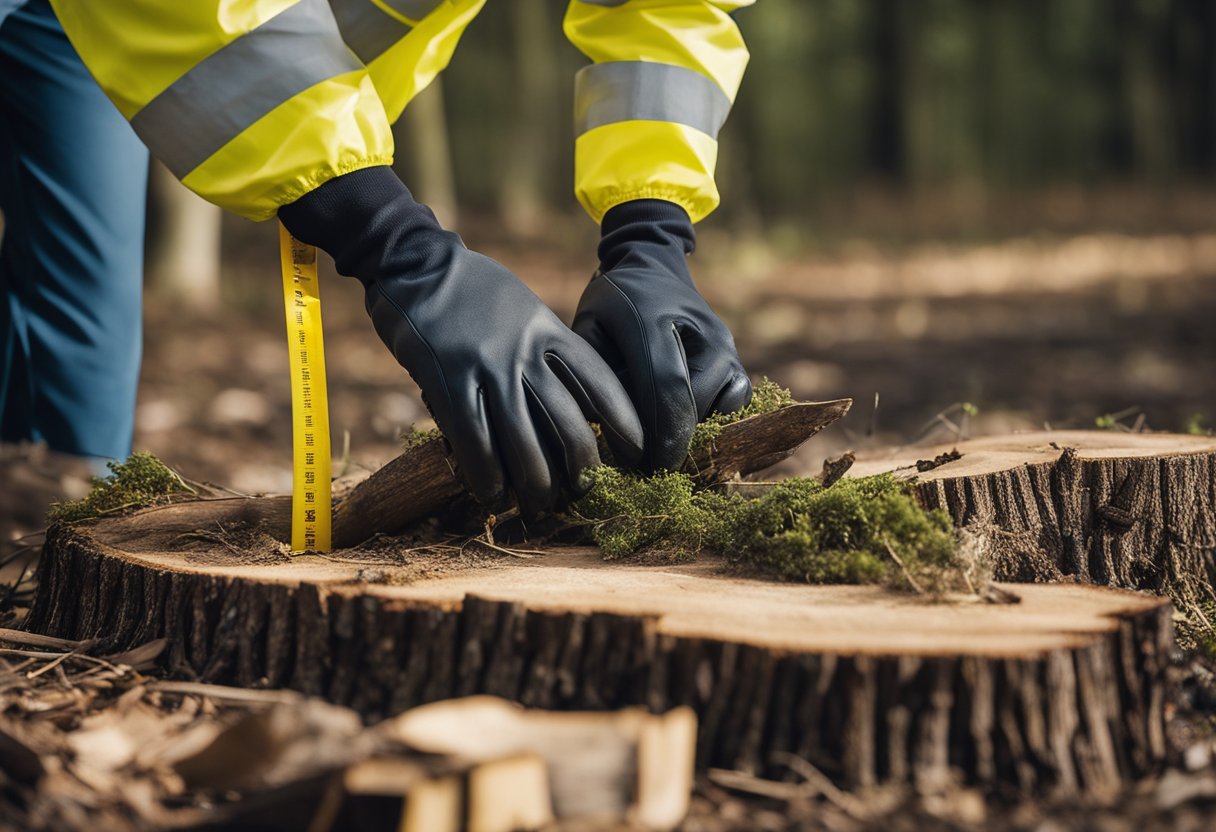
281	108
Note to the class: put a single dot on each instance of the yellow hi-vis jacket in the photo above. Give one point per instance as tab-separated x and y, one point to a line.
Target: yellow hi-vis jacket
254	103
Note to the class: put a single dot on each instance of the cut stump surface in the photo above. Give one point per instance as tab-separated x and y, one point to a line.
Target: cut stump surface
1063	691
1134	510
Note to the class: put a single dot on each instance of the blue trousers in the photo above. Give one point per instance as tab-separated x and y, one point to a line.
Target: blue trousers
73	183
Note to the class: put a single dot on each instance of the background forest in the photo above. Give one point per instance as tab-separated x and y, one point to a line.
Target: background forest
987	214
966	99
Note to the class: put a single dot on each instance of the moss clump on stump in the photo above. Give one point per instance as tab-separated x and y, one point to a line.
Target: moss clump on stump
856	531
141	481
767	396
414	437
630	514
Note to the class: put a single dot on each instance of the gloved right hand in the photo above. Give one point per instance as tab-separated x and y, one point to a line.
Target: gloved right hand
509	385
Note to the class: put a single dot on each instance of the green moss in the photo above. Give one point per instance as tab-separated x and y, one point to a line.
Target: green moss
1195	426
141	481
767	396
413	437
629	514
799	530
843	534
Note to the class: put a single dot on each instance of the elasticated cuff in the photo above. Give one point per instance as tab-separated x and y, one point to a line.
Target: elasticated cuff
663	228
358	217
353	205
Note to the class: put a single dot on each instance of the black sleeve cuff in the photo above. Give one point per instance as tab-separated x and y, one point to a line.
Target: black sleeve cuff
355	204
662	227
358	216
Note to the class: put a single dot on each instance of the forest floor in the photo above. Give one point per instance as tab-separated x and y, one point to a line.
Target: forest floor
1071	331
102	743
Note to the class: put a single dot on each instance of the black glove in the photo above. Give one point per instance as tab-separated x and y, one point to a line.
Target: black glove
509	385
643	314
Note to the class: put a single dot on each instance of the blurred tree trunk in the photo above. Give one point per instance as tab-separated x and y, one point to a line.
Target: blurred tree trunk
423	141
886	136
1149	98
530	178
184	256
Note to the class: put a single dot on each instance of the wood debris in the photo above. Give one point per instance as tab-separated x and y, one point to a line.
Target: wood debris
91	741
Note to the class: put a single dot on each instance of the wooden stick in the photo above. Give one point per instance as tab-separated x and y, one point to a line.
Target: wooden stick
232	694
422	482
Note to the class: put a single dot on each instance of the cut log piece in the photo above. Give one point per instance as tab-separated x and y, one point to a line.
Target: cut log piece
1062	692
622	767
1134	510
422	482
499	795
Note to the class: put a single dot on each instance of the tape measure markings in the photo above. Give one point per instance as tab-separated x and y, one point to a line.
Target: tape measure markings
311	499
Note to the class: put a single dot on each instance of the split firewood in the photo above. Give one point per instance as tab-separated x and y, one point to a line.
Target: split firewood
477	764
501	794
627	766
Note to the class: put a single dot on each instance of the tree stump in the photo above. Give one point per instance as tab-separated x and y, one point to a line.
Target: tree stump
1134	510
1062	692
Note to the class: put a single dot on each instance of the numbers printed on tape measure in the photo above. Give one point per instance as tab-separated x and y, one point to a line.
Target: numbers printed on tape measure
311	505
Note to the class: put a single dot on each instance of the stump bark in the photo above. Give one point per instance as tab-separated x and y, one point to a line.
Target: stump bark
1134	510
1063	692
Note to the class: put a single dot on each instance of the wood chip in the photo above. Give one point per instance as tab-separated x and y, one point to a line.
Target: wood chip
230	694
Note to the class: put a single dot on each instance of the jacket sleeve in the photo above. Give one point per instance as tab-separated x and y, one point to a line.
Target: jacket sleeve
251	103
404	43
648	109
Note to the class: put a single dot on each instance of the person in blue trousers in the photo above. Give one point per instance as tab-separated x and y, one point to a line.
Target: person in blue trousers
73	179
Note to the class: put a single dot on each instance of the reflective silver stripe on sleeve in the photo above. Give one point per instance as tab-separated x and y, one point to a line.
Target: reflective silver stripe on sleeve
645	91
367	29
413	9
232	88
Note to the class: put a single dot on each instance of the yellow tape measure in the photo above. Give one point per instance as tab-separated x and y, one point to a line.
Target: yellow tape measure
310	495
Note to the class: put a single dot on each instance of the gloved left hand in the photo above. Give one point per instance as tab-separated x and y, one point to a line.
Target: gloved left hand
643	314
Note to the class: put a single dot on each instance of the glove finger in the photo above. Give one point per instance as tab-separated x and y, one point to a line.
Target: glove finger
532	475
590	330
719	382
659	384
563	428
735	395
467	429
600	395
655	371
675	406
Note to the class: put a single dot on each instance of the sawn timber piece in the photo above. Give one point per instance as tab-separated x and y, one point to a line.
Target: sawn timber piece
1060	693
422	482
1134	510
